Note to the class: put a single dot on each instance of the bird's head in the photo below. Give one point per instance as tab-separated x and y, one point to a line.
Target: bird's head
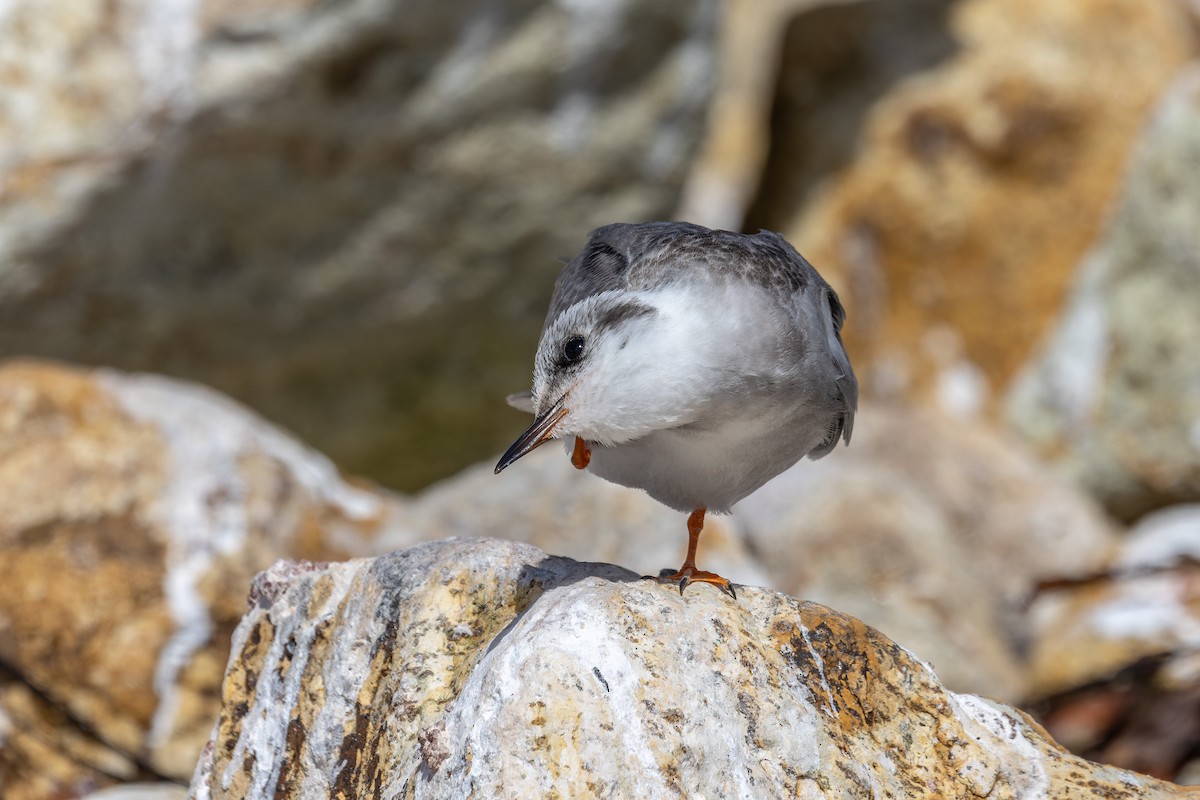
599	374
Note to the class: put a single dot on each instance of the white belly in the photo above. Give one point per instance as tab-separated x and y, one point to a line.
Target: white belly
692	467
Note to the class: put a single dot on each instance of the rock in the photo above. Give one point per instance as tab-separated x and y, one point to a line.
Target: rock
1146	605
954	235
1162	540
836	62
1113	399
1146	719
134	511
1190	774
1161	732
43	754
141	791
340	213
732	158
1116	657
486	668
936	532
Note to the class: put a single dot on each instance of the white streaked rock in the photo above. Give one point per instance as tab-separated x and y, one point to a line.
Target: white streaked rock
487	668
134	512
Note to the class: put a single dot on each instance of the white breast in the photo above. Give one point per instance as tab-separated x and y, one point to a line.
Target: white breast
755	413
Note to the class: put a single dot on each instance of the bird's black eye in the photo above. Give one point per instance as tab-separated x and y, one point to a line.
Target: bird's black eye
573	349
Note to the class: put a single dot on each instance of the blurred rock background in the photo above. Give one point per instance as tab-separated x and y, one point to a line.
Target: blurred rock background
346	216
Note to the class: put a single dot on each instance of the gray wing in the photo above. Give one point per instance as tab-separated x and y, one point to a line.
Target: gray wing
832	315
769	260
819	314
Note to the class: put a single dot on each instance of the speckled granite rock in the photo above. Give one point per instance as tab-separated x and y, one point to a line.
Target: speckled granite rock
934	531
486	668
955	234
1114	397
134	511
342	213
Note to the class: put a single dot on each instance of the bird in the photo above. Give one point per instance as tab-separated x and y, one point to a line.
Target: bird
692	363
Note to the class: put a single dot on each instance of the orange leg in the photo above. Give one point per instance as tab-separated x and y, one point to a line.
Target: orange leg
581	456
688	572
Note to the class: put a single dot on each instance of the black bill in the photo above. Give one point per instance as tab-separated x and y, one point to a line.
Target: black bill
540	432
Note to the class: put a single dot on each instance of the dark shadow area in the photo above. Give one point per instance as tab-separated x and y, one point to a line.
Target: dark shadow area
553	572
56	716
1134	720
837	61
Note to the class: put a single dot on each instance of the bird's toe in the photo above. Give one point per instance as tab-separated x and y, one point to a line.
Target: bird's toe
687	575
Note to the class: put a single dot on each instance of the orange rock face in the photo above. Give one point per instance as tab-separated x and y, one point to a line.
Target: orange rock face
133	513
980	186
82	570
44	755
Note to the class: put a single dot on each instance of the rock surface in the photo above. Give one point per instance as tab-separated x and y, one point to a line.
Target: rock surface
1116	658
134	512
345	214
934	531
1146	605
43	754
487	668
955	233
1114	397
837	61
141	791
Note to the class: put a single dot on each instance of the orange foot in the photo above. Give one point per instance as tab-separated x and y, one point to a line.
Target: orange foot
689	574
582	455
